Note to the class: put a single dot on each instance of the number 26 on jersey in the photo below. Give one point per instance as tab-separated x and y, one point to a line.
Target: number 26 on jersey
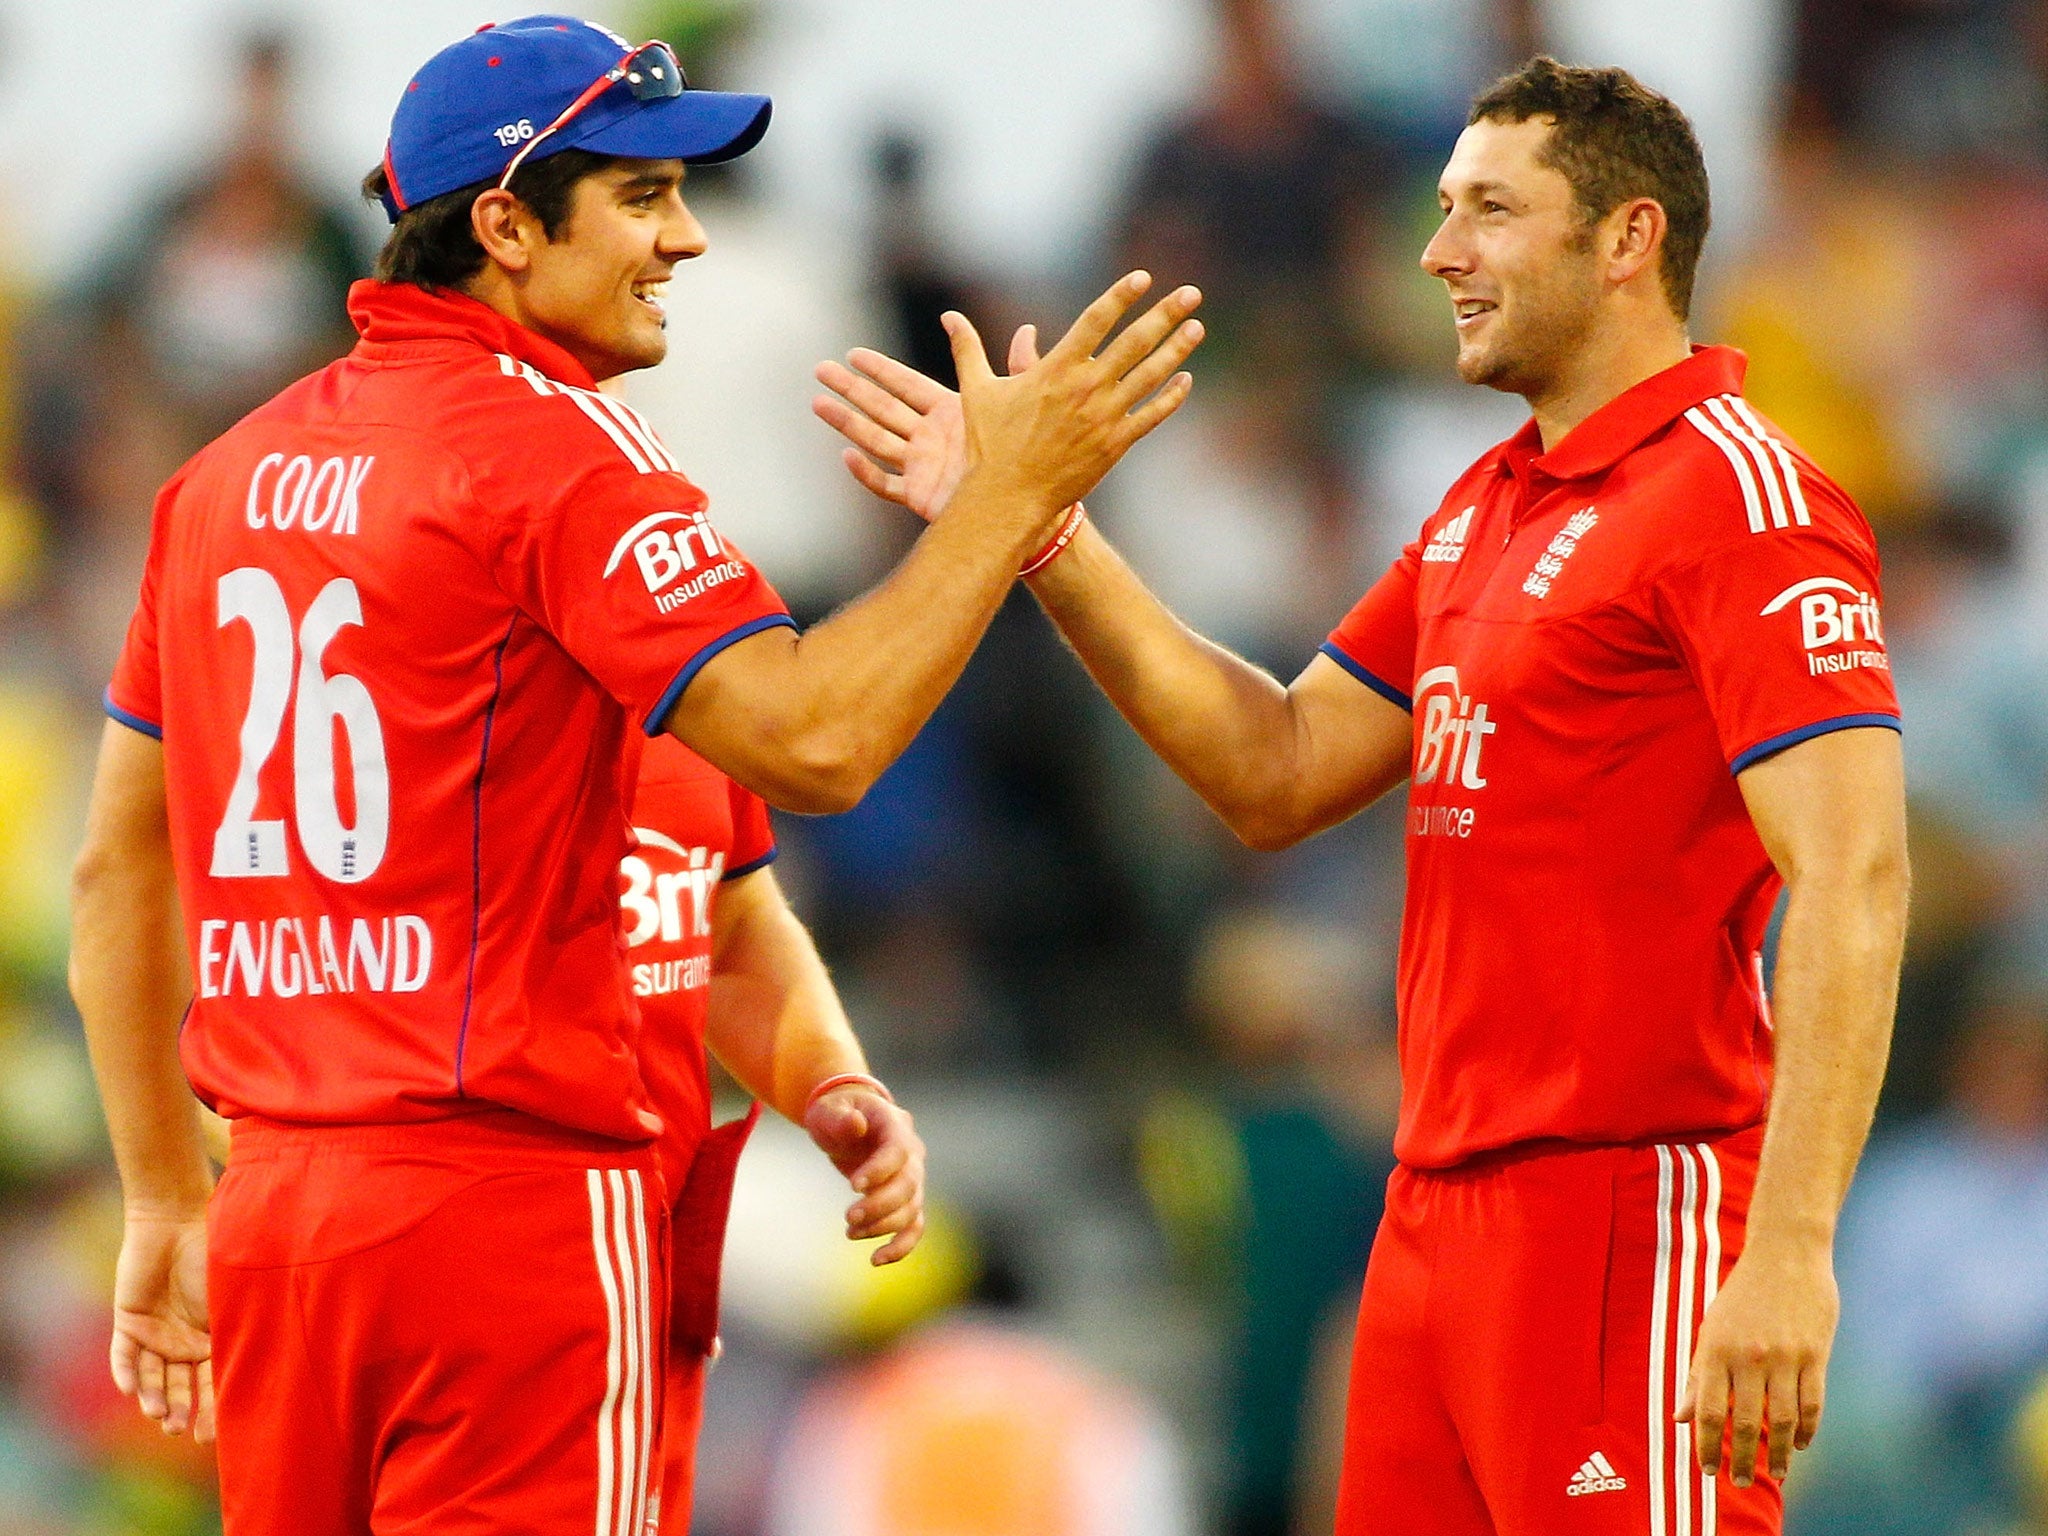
245	846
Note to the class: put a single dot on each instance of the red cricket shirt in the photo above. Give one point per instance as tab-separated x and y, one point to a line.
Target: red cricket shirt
695	829
395	631
1594	642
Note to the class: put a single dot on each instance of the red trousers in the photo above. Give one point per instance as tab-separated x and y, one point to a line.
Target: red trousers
448	1328
1524	1337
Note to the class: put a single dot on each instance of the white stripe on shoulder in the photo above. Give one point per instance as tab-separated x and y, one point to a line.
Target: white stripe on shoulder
639	429
541	384
1764	435
1745	476
1767	467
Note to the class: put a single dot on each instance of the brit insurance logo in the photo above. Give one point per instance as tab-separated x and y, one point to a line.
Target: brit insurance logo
1450	752
1839	625
678	554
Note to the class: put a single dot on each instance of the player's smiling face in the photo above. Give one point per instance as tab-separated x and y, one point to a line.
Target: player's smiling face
1516	257
596	288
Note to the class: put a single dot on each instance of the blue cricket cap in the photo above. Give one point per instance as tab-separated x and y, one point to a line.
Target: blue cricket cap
474	106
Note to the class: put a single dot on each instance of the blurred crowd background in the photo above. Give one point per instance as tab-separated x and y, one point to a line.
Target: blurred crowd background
1155	1070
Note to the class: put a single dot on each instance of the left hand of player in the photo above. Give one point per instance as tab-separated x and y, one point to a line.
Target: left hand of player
874	1143
1762	1359
161	1352
907	436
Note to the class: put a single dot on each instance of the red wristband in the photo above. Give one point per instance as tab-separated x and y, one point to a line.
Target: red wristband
1076	515
845	1079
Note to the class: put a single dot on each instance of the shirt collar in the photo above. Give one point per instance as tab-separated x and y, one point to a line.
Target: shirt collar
396	314
1632	417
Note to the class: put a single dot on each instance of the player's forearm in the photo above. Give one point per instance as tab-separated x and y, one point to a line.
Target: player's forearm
810	724
1836	988
774	1018
128	978
1223	725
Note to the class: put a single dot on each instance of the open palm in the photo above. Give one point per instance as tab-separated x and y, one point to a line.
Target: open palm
907	433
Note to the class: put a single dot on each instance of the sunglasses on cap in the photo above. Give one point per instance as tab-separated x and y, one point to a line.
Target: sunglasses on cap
651	73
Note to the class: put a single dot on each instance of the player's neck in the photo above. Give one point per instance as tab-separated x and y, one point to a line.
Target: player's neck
1612	360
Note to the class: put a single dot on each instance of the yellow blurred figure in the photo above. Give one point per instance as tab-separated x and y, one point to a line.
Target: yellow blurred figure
971	1429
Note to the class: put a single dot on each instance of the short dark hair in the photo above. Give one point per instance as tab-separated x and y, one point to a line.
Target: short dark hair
1613	139
432	244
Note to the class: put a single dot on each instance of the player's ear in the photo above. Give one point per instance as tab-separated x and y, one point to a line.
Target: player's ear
1634	235
505	227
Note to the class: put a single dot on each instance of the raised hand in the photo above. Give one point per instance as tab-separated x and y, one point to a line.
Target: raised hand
1050	425
162	1352
873	1142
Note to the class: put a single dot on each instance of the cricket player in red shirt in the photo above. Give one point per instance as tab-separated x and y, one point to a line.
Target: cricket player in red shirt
717	958
363	801
1634	671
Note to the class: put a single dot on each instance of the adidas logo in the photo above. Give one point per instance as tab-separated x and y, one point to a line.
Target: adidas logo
1449	542
1596	1476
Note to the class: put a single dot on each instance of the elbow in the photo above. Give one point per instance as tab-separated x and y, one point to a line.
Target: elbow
1262	831
826	773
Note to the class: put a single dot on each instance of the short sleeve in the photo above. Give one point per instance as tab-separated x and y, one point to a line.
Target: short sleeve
135	695
1376	641
753	838
1783	631
627	572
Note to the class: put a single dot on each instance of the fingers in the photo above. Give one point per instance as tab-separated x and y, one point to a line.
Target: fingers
900	1245
883	1164
1096	321
1813	1391
1781	1407
1154	370
1149	330
1706	1407
149	1383
860	429
121	1360
899	379
202	1412
870	1216
1748	1419
873	476
871	398
180	1395
1170	398
1024	349
970	360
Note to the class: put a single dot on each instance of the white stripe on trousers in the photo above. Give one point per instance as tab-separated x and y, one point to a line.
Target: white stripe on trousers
1688	1230
625	1422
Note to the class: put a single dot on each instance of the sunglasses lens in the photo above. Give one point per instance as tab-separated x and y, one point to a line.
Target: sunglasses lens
653	74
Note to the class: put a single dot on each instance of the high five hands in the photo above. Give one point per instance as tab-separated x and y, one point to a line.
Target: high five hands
1060	422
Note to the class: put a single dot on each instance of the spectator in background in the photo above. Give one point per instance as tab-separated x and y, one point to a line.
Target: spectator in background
1945	1293
918	284
1276	1183
1270	203
235	284
977	1424
1927	77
